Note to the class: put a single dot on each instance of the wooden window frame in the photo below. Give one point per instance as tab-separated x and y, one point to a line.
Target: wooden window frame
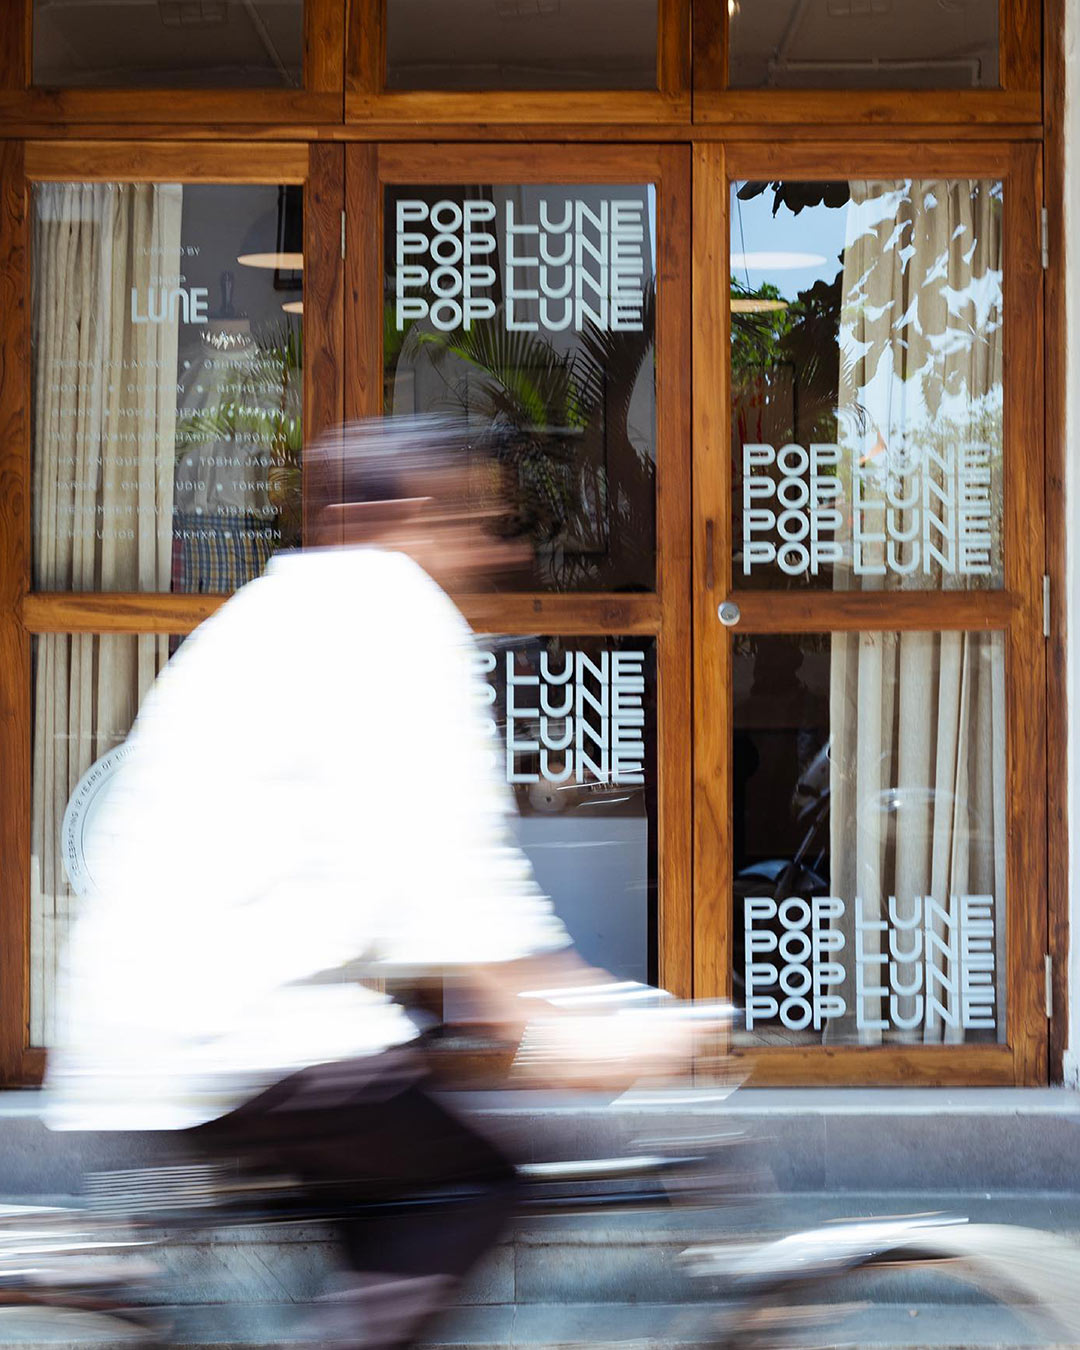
663	614
25	613
320	99
1016	610
1056	373
180	130
1017	101
366	97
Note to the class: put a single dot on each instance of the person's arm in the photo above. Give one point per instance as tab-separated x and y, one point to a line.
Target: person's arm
507	995
464	899
577	1026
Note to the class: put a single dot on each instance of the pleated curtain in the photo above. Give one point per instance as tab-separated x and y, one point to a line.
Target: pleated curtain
103	468
918	719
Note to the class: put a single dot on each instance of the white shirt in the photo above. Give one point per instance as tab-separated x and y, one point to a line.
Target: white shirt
311	785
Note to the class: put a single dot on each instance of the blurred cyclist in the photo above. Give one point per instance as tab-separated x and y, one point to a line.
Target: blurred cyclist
311	800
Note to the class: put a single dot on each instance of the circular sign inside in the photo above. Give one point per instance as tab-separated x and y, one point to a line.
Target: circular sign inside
81	813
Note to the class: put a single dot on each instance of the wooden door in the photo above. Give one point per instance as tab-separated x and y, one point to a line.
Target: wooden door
576	371
870	832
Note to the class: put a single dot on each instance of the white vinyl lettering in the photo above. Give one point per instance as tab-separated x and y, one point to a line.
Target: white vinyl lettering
170	304
939	960
908	514
575	718
569	265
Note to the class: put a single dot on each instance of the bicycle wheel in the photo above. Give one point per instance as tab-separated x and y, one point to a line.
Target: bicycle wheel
1031	1275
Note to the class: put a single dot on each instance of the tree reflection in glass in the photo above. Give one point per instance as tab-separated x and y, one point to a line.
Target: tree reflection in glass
885	344
569	409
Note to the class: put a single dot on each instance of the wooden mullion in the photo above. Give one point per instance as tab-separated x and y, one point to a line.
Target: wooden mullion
712	563
674	769
137	161
868	611
15	703
1056	385
673	551
673	47
15	30
363	283
849	107
710	50
209	107
363	286
147	612
562	615
442	162
1026	943
1020	45
324	48
887	1065
365	48
433	107
875	159
115	612
324	315
375	130
866	131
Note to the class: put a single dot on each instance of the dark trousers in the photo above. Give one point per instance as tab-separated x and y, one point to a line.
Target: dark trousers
363	1131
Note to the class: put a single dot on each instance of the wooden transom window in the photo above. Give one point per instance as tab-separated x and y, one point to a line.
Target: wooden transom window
491	63
168	44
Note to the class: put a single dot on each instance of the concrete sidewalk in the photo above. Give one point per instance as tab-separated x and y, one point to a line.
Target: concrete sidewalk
814	1139
992	1155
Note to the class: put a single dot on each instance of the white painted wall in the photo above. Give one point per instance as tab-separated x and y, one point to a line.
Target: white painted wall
1072	441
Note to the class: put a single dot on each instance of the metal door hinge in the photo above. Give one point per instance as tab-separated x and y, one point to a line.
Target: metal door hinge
1046	605
343	234
1049	990
1045	238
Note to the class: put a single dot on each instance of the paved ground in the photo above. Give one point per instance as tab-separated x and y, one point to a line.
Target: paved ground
994	1156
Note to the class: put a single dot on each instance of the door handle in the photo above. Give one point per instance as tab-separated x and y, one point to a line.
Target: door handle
710	570
729	613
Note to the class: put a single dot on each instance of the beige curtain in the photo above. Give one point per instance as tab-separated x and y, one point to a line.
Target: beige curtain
103	470
917	780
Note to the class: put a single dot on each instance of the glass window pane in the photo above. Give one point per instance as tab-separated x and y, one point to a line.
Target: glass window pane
521	44
575	727
869	837
169	44
167	384
575	722
863	44
87	689
530	311
866	359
